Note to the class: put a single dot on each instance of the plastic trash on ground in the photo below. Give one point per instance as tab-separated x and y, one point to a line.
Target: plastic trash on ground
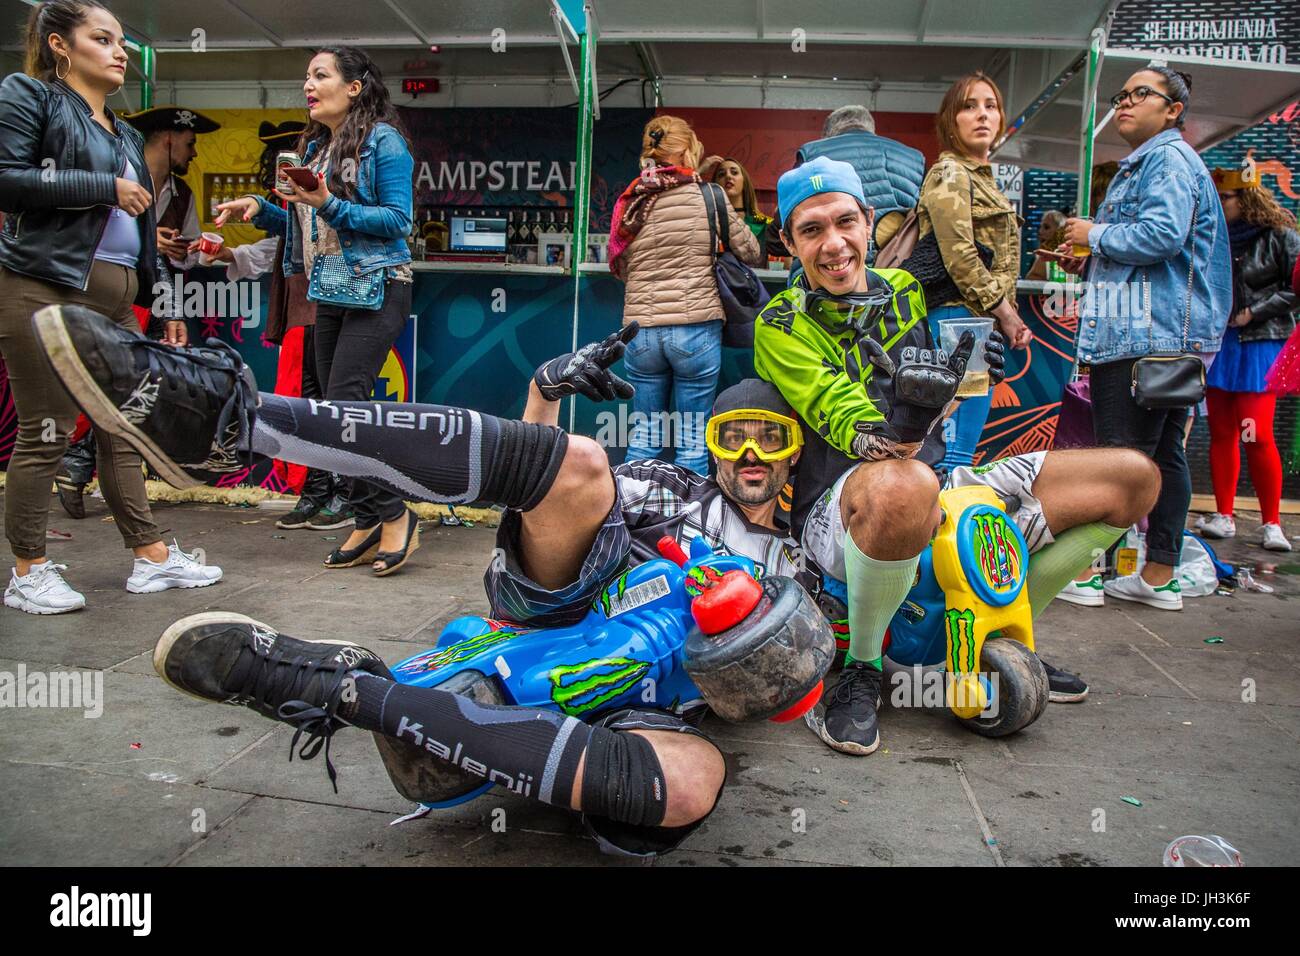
1202	851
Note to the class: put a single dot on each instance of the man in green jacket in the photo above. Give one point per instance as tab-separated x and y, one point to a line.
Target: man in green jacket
849	349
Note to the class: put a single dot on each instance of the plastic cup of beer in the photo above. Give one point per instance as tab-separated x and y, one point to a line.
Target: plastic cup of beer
976	380
210	244
1081	251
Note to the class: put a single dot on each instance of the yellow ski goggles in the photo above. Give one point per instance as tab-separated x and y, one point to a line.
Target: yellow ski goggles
772	437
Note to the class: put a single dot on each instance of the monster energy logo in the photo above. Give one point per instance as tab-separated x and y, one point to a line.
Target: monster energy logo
458	652
816	182
575	689
961	634
603	602
998	558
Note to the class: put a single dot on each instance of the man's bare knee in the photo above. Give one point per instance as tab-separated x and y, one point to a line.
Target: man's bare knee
584	475
1139	480
893	509
694	772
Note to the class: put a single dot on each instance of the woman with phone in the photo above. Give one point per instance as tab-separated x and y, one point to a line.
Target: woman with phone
346	227
1159	282
961	204
79	229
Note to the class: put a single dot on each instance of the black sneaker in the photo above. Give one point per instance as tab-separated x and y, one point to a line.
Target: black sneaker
327	519
232	659
847	721
1065	688
70	493
301	514
188	411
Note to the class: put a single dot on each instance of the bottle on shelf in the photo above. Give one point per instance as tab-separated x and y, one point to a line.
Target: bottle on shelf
214	198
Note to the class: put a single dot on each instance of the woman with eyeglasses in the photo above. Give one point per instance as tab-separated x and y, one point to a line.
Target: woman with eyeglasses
1159	282
1264	244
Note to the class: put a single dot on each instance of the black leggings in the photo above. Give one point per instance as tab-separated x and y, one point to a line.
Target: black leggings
437	453
351	346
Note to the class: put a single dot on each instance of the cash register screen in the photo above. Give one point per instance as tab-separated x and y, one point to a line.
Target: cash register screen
477	234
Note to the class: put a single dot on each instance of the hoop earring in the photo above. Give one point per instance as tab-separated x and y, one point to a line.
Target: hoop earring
65	72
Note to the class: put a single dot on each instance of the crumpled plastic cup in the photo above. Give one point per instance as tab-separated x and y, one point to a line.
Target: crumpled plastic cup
1202	851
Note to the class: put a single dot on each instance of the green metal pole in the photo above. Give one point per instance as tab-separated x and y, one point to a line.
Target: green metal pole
1089	123
147	66
582	184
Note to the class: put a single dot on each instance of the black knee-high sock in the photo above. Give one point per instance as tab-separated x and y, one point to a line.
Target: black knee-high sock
437	453
533	753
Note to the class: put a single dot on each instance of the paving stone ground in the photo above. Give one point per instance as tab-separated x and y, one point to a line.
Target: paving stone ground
1165	724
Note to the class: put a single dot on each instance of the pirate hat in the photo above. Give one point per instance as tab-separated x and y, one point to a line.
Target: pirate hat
162	118
1230	180
280	134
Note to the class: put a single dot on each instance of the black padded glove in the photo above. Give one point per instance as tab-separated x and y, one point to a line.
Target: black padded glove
586	371
918	390
995	353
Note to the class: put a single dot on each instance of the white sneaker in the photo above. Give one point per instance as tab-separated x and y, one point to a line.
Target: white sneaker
1274	537
1216	525
180	570
43	591
1131	587
1087	593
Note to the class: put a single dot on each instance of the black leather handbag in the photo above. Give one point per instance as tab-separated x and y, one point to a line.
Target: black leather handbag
742	295
1172	381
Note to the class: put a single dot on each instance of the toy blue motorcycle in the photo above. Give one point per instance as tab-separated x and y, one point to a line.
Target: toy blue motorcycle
675	633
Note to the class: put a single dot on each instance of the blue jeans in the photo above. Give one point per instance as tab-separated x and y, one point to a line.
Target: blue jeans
962	431
675	371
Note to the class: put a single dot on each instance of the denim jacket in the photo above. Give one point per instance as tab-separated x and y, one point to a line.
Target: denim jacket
1136	298
372	229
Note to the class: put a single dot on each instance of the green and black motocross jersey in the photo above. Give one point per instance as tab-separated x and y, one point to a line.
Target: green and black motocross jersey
825	377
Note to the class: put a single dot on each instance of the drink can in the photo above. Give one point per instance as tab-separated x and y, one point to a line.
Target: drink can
282	159
1081	251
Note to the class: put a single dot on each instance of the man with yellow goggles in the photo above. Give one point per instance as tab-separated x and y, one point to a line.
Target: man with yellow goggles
770	435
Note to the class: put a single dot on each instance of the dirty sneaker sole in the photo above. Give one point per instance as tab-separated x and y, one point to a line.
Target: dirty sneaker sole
81	385
177	630
818	727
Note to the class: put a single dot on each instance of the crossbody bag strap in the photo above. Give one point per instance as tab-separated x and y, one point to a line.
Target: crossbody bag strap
1191	262
707	195
722	213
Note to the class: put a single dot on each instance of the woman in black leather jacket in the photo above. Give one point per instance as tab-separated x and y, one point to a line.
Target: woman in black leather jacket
79	228
1264	248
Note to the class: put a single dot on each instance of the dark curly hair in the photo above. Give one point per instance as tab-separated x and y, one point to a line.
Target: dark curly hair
372	105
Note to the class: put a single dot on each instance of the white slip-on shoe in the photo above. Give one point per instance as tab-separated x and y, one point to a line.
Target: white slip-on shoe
43	591
1089	593
179	570
1217	526
1274	538
1131	587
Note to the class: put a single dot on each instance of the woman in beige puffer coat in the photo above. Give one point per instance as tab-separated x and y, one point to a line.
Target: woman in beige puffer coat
659	246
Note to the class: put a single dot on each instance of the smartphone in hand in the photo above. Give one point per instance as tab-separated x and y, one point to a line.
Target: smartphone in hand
303	177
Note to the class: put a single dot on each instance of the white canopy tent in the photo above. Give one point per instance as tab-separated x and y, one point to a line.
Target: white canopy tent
816	54
1228	96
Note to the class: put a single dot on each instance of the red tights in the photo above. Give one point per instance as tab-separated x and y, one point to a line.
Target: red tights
1246	417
